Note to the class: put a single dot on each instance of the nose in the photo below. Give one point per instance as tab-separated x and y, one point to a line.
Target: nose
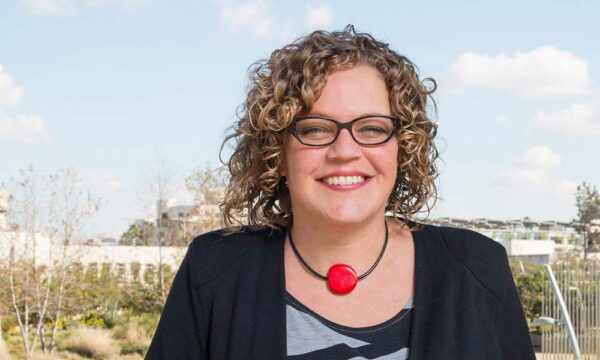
344	147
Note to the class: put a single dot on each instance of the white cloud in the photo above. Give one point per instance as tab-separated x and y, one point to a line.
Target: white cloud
9	93
261	20
50	8
67	8
104	181
541	157
531	171
124	4
22	128
545	71
578	119
253	15
502	119
319	17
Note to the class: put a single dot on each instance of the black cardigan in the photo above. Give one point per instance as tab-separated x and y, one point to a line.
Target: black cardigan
227	299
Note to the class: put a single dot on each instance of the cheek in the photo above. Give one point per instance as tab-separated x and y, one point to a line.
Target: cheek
389	158
299	164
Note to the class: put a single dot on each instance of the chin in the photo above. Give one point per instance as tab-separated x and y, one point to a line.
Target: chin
352	215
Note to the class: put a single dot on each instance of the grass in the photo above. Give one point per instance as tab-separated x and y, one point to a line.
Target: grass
4	355
127	340
92	343
134	338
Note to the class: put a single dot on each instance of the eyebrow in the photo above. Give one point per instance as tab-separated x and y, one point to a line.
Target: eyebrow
316	113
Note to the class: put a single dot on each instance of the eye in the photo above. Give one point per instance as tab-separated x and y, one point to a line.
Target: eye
313	130
373	129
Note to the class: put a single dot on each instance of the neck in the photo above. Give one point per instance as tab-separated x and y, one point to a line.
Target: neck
325	244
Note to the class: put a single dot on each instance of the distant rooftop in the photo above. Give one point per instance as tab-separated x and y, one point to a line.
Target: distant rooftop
484	223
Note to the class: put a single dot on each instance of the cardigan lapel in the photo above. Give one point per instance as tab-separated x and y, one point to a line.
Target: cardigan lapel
429	337
270	327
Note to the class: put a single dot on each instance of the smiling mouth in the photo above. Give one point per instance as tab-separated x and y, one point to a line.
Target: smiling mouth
343	180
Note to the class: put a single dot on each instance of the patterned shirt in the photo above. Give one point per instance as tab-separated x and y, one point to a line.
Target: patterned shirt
311	336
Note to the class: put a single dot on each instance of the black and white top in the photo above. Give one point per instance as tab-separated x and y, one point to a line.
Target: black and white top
311	336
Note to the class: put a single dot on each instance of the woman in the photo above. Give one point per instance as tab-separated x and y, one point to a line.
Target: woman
333	137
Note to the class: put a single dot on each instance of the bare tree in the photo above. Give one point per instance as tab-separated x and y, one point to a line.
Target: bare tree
587	201
162	186
46	214
207	187
73	207
24	211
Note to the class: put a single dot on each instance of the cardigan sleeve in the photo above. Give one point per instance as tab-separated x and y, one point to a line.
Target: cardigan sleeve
179	334
513	331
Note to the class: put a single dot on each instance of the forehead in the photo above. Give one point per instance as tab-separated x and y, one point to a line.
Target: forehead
353	92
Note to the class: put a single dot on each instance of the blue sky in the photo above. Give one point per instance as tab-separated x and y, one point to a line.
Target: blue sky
108	86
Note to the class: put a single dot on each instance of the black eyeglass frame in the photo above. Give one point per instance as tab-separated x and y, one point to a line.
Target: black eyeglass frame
343	125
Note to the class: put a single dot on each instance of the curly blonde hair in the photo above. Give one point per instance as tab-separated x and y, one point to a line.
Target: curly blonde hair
288	84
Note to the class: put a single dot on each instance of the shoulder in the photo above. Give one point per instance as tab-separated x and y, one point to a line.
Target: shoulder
468	245
484	258
212	253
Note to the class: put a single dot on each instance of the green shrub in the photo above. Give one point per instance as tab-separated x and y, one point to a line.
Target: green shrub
98	319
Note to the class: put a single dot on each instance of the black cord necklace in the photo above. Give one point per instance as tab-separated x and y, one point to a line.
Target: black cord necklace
341	278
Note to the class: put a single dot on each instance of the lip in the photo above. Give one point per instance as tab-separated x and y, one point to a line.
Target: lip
345	173
345	187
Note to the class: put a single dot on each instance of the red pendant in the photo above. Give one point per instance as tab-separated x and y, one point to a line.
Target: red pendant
341	278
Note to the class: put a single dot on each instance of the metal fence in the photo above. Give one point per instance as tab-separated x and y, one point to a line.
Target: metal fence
578	285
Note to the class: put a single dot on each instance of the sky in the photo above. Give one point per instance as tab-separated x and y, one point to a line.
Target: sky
110	87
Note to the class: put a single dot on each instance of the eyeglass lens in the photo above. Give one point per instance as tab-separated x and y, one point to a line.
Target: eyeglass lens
371	130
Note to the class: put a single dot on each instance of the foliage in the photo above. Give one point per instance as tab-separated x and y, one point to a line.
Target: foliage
529	284
97	319
207	185
587	201
139	234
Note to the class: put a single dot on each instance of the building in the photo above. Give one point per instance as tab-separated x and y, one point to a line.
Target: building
536	241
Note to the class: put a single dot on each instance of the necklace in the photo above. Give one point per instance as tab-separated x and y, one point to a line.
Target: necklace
341	278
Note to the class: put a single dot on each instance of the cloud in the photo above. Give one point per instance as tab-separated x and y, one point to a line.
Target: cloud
68	8
545	71
318	17
502	119
531	172
50	8
124	4
253	15
579	120
260	19
9	93
20	128
104	181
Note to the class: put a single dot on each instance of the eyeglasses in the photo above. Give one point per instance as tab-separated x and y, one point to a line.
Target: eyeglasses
315	130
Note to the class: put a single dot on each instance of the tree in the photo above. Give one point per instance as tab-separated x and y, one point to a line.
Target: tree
46	214
529	280
587	201
140	233
161	186
207	187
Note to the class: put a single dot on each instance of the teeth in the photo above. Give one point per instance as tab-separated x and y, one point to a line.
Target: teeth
344	180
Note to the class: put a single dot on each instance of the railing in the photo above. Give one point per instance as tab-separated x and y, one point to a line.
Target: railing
572	306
